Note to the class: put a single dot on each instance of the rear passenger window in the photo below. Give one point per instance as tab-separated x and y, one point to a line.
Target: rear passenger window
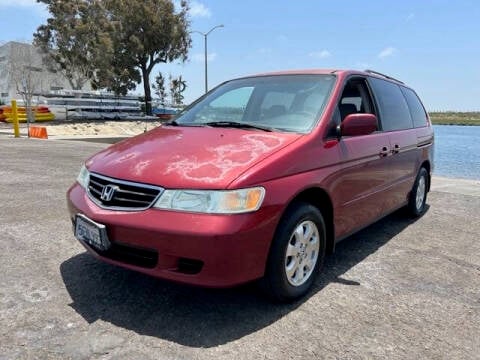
417	110
393	108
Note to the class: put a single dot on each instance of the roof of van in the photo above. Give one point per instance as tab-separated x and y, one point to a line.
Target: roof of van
343	72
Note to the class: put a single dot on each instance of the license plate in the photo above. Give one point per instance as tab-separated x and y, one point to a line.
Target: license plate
92	233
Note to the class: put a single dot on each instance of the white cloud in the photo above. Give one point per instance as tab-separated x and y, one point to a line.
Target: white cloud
323	54
200	57
387	52
198	10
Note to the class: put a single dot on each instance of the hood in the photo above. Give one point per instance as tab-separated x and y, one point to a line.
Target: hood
188	157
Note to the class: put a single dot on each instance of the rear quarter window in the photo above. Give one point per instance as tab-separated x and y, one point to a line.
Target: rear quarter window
419	115
393	108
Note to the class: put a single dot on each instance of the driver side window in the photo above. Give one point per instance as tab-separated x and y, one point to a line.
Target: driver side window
355	99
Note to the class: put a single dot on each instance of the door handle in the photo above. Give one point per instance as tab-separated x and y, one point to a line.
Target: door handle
384	152
396	149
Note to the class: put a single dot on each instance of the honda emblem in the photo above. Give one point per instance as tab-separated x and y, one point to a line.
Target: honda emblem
108	192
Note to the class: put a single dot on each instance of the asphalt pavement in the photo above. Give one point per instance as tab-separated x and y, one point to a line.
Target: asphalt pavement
400	289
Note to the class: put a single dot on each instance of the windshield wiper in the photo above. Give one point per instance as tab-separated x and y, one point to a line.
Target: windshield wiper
233	124
175	123
240	125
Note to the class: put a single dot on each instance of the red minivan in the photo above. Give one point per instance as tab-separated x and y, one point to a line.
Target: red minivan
258	179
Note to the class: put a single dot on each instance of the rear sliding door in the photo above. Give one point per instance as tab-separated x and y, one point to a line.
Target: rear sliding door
396	121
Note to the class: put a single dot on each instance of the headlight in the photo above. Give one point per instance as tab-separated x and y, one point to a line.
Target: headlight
212	201
83	177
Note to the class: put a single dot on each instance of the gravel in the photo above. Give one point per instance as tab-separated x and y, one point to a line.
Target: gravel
400	289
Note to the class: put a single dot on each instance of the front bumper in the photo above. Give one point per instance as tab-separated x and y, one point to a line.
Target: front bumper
199	249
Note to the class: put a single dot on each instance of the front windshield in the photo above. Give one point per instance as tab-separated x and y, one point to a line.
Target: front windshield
290	103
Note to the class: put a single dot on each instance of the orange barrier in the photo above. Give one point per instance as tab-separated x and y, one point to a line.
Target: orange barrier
39	132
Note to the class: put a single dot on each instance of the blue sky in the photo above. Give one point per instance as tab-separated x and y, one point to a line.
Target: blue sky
433	46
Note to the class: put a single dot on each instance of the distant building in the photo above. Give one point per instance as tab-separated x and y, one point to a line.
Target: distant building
22	65
27	56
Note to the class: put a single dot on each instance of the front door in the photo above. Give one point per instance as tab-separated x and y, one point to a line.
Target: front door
362	180
361	184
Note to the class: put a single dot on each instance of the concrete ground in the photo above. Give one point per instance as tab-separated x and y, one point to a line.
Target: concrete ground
399	289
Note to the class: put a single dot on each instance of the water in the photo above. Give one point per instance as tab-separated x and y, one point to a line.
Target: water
457	151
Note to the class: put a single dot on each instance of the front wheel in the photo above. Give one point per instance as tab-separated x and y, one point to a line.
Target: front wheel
297	253
418	195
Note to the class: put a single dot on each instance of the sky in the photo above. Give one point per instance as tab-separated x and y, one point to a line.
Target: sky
432	46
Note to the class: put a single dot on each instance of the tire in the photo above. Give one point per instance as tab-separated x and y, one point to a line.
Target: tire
297	253
418	196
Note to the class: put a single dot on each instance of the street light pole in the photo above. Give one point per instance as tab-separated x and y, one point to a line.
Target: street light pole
206	53
206	63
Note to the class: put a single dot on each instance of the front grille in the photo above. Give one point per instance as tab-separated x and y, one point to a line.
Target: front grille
121	195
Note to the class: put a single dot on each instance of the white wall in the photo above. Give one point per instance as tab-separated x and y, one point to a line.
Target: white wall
14	52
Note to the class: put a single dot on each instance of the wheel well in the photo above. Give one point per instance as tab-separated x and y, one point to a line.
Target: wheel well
426	165
321	200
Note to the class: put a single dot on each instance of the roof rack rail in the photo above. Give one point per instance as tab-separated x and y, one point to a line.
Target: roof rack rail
383	75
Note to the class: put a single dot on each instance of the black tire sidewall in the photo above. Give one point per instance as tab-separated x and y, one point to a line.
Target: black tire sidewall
278	285
412	205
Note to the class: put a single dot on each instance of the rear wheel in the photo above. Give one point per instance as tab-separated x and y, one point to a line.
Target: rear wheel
418	195
297	253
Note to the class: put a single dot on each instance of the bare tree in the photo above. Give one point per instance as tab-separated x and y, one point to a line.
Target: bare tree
25	72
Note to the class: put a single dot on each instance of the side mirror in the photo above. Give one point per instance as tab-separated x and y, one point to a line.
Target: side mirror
358	124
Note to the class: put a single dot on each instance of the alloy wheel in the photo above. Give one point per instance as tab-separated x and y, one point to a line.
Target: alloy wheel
302	253
420	195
